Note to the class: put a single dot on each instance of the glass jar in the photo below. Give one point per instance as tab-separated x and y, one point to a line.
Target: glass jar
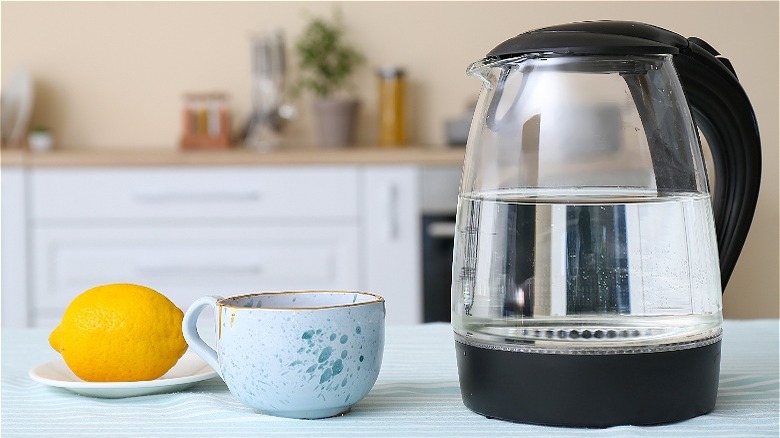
392	114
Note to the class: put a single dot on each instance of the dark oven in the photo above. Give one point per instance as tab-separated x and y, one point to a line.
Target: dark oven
438	233
439	203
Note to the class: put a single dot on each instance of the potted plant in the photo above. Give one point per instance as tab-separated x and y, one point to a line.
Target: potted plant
326	63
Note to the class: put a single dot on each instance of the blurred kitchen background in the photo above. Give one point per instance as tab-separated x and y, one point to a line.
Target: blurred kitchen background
111	196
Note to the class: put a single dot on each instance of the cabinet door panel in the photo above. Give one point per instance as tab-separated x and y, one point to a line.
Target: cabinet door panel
391	240
185	263
14	248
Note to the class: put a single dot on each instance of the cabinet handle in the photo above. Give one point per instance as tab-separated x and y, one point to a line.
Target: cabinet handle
394	226
209	269
215	196
441	230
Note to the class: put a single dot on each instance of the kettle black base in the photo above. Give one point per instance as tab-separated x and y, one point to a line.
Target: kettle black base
589	390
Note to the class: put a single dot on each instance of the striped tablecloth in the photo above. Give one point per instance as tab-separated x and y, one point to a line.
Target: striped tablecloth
416	394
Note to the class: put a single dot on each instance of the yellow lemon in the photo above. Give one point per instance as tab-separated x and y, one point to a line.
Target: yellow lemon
120	333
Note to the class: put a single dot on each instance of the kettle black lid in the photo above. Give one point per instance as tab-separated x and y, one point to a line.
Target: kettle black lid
594	38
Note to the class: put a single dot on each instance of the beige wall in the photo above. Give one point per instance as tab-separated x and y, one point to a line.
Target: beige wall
111	74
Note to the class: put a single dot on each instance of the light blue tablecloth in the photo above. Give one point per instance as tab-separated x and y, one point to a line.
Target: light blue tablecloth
417	394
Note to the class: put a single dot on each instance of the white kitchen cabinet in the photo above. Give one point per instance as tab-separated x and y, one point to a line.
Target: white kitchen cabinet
189	232
223	230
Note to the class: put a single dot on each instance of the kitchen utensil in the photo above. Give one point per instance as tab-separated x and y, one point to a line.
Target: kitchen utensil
189	370
588	266
269	111
294	354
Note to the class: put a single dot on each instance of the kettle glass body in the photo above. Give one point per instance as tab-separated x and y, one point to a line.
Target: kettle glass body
584	219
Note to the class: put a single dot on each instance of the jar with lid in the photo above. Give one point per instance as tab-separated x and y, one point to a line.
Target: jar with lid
392	111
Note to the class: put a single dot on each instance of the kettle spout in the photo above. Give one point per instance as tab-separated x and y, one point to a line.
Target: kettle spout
482	69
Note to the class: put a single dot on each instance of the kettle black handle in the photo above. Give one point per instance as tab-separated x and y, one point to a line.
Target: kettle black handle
724	115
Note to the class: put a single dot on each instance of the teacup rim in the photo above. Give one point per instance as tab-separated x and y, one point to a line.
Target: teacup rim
377	299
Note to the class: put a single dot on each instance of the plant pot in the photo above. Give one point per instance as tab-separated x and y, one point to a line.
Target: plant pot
335	120
40	141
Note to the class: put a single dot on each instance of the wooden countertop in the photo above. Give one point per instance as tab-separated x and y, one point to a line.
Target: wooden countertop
166	157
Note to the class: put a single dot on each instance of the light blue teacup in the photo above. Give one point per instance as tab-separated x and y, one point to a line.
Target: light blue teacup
303	354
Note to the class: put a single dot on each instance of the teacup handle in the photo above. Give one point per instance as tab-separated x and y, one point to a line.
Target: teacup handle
189	328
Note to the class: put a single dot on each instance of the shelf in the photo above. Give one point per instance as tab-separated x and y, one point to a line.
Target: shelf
165	157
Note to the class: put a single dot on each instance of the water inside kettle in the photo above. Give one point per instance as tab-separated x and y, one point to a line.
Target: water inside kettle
586	270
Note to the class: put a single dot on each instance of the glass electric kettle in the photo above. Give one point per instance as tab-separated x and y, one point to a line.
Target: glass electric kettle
588	265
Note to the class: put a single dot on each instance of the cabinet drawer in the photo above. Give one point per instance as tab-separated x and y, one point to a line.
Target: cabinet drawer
185	263
234	192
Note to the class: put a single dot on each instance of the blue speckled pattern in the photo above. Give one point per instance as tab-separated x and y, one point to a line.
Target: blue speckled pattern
312	361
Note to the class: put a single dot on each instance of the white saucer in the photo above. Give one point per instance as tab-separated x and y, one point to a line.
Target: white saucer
189	370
